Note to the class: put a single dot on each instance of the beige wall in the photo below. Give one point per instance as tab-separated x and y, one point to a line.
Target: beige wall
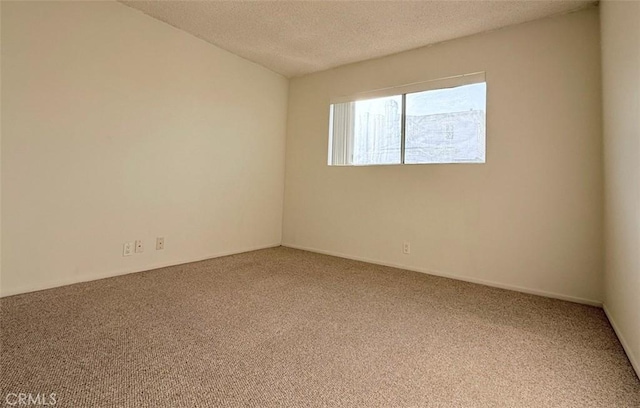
621	103
530	218
0	148
117	127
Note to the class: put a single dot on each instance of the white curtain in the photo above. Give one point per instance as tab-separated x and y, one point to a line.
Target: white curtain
343	115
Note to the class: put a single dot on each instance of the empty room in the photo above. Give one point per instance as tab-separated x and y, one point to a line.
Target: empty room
320	203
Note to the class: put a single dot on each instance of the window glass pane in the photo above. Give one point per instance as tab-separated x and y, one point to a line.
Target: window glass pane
376	133
446	125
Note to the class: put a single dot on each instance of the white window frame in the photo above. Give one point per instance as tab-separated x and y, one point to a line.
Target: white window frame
343	152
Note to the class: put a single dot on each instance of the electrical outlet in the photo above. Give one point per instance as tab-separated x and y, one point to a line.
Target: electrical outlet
139	246
127	249
159	243
406	248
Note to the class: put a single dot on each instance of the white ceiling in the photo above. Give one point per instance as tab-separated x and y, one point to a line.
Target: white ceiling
299	37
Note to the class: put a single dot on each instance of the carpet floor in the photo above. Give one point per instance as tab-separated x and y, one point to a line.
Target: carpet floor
288	328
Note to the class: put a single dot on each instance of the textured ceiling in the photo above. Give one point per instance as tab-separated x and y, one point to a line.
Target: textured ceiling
299	37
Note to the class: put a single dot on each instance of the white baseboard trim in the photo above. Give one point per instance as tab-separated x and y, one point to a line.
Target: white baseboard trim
494	284
111	274
635	363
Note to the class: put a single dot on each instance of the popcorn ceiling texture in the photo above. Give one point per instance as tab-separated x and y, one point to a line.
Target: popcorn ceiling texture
287	328
295	38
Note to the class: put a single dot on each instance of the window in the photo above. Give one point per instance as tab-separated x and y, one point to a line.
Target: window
440	121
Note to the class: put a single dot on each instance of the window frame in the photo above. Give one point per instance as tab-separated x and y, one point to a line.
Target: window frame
403	90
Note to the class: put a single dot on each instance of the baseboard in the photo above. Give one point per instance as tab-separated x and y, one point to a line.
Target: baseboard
635	363
111	274
494	284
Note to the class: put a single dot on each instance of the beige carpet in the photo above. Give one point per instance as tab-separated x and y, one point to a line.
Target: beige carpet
287	328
